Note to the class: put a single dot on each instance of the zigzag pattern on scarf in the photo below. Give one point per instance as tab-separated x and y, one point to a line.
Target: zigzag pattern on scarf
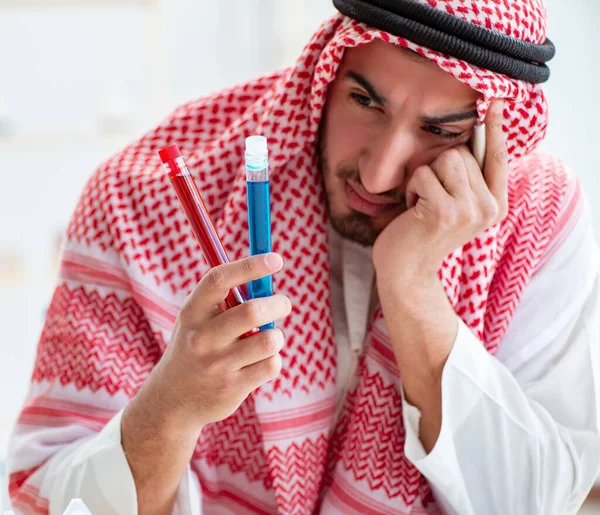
538	194
237	443
369	439
96	341
297	471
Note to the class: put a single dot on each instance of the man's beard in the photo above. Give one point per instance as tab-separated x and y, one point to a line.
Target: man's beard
354	226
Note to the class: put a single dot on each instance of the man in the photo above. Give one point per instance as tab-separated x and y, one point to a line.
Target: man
440	321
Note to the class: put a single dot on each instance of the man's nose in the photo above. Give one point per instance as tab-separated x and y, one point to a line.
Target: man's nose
383	166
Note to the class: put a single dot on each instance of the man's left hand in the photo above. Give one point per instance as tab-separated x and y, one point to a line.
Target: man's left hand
449	203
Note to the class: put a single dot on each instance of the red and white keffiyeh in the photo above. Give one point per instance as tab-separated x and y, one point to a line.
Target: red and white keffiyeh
131	259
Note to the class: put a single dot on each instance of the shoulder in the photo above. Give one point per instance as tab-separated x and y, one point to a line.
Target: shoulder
542	236
128	205
545	202
133	177
561	290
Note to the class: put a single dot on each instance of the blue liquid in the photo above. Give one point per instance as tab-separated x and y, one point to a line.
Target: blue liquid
259	222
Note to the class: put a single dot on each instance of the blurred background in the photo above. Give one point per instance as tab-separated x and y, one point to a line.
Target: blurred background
79	79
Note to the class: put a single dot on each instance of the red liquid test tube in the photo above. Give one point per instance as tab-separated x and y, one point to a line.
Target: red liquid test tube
197	214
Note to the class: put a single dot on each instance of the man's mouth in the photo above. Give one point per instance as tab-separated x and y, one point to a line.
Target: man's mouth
364	202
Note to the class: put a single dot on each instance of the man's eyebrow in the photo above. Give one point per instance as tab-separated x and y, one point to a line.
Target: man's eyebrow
371	90
460	116
378	98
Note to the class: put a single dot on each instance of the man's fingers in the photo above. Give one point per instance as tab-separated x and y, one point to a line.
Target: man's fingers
476	179
259	373
215	285
451	170
257	348
254	313
496	163
425	186
487	208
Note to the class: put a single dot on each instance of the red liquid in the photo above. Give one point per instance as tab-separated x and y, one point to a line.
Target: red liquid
202	227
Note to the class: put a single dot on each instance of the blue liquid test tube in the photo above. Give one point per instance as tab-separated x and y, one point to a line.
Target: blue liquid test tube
259	211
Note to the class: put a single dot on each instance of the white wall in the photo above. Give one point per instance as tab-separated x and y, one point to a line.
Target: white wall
574	130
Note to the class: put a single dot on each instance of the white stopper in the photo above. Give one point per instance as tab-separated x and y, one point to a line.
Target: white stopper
9	512
77	507
256	146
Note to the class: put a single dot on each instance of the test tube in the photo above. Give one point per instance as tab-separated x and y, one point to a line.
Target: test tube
259	211
199	218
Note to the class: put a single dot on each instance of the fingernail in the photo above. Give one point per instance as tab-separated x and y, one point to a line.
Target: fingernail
498	106
273	261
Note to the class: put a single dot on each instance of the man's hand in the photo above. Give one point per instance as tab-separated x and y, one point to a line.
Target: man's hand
203	377
449	203
207	372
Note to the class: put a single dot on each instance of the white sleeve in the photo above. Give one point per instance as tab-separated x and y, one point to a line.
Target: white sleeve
520	430
96	470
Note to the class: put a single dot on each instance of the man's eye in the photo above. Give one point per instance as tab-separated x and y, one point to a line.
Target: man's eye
362	100
437	131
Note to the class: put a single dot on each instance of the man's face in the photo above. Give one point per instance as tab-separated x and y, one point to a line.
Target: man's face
388	112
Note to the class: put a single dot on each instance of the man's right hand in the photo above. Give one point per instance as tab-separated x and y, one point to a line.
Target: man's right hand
207	371
204	375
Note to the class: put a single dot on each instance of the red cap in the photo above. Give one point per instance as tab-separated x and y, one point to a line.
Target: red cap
169	153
